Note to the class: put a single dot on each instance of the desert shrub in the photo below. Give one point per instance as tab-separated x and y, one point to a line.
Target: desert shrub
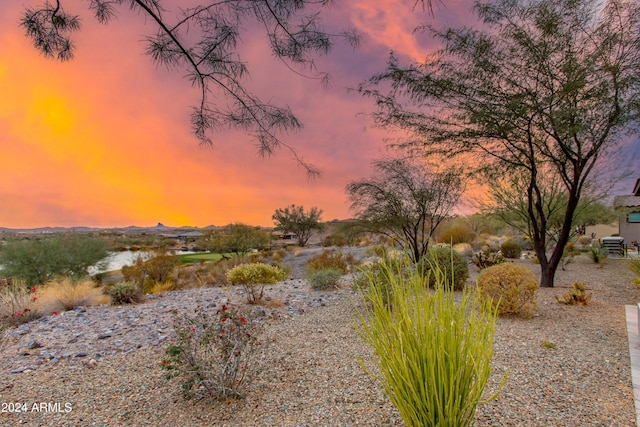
215	355
330	260
324	279
378	274
433	354
597	254
126	293
284	267
456	233
65	294
158	269
254	277
511	249
576	296
38	261
585	241
159	288
464	249
18	303
509	287
451	264
483	259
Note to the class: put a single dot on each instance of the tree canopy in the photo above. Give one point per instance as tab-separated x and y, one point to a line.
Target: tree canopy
405	201
203	41
235	238
37	261
294	219
547	88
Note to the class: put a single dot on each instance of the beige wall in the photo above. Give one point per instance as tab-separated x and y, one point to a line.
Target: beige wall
630	231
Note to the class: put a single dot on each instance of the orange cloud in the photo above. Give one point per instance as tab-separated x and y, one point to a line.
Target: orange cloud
104	140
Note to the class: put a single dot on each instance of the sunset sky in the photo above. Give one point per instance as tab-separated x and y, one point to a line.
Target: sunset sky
104	140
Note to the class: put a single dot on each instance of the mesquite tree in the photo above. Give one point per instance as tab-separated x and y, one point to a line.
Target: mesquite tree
544	88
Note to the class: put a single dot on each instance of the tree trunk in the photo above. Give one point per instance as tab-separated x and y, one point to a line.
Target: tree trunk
547	274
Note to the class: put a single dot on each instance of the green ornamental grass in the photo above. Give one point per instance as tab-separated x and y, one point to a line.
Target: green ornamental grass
433	353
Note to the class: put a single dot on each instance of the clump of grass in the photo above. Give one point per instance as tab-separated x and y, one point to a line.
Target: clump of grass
65	294
433	354
548	344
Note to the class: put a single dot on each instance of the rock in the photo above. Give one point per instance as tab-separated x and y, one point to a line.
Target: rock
34	344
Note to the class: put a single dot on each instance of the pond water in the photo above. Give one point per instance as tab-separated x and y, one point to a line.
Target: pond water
116	260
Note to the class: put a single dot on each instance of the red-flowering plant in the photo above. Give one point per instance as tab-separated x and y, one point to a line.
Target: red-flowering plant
216	354
17	303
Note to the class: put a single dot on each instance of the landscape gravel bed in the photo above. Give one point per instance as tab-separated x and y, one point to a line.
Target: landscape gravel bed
566	366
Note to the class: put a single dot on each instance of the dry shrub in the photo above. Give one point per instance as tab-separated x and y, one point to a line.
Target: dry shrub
159	288
18	303
463	249
65	294
510	287
456	233
585	241
330	260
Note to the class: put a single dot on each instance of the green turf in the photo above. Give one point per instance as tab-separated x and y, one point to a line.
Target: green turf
205	256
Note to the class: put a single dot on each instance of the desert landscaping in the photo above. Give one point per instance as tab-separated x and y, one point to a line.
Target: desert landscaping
567	365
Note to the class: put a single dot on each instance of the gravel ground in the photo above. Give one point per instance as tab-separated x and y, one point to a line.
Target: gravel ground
312	376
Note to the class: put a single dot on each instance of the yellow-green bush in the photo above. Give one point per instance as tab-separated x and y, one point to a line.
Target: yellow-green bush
254	277
511	249
433	354
509	287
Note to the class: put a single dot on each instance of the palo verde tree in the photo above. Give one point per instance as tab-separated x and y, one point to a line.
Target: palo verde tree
404	201
202	42
544	88
293	219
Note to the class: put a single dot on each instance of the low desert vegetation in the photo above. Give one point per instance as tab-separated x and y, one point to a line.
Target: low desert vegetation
433	354
510	288
577	295
126	293
485	259
18	303
147	273
254	277
65	293
511	249
331	260
324	279
456	233
453	267
216	355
